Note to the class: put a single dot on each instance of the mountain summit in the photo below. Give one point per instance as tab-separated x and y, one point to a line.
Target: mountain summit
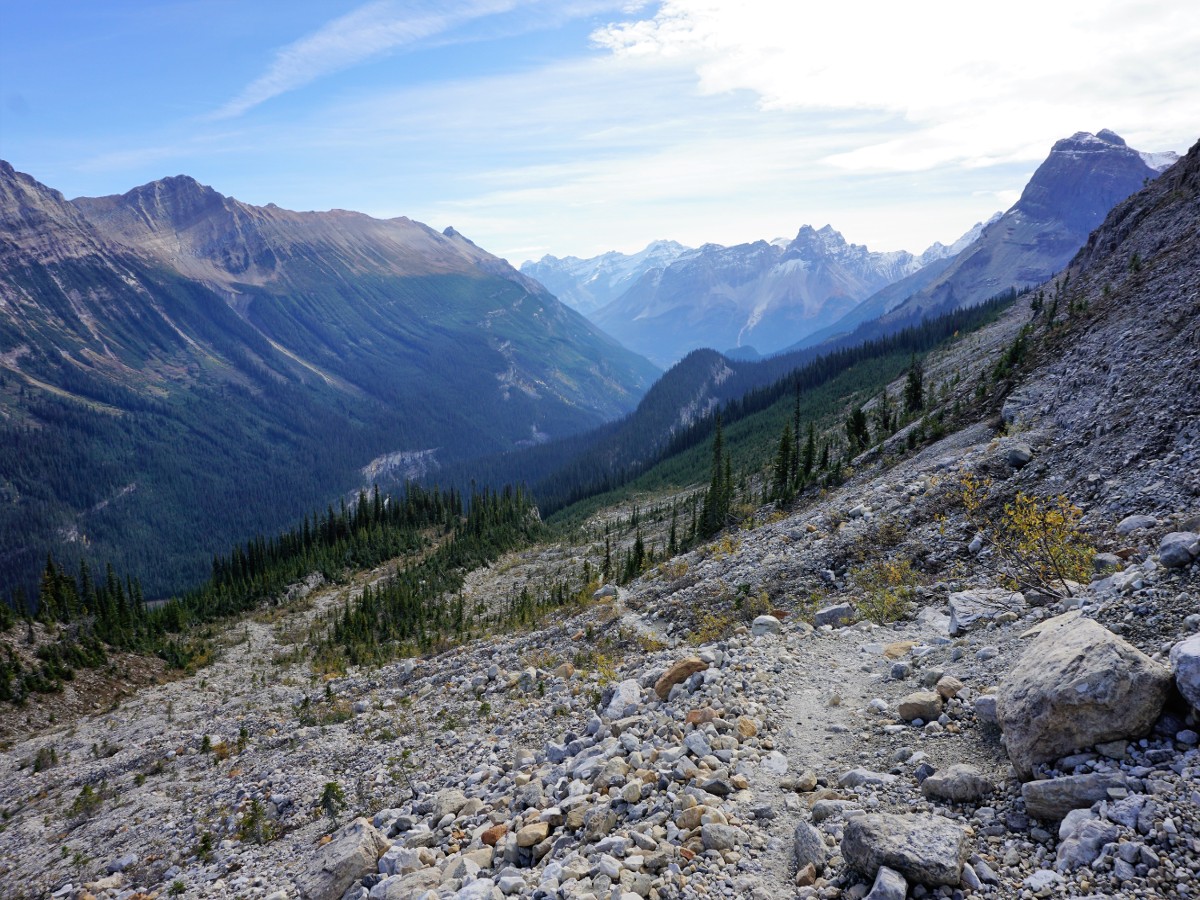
1070	193
766	294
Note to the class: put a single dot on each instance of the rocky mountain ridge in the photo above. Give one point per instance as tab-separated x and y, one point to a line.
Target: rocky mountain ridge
764	294
285	350
1068	195
588	284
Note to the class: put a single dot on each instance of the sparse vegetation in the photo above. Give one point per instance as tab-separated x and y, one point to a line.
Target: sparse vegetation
1035	542
887	589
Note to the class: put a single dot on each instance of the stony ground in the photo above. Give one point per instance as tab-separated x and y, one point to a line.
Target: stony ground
545	761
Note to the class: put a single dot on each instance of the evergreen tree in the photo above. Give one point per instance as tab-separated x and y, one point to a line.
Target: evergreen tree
810	453
785	456
914	387
857	436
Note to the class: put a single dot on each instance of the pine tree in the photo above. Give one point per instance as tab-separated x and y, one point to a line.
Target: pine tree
857	436
810	452
784	466
914	387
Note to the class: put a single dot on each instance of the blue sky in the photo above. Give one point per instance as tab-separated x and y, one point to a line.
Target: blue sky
578	126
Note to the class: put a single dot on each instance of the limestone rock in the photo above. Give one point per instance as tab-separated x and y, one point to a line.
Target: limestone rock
627	694
1178	549
923	705
765	625
353	852
838	614
1077	684
1185	663
928	850
889	885
809	848
959	783
678	673
1050	799
969	609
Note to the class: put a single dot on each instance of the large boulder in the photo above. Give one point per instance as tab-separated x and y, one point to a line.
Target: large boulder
809	848
1050	799
1076	685
1178	549
928	850
352	852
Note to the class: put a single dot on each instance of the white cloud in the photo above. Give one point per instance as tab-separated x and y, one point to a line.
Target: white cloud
367	32
974	83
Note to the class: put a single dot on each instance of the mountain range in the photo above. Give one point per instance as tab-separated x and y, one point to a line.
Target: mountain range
768	296
170	354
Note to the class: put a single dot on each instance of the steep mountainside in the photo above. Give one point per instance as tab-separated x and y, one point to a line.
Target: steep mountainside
588	284
763	294
1071	192
170	354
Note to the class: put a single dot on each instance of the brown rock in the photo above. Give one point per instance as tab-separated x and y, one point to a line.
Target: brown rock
493	834
678	673
701	716
948	687
746	728
806	876
923	705
898	649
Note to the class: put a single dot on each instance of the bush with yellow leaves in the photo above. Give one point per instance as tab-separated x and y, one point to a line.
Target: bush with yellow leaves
1036	542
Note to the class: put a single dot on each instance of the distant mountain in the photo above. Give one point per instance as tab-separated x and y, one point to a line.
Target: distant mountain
897	292
1068	196
588	284
767	294
179	370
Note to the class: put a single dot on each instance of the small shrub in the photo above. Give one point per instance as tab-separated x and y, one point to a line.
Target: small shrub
46	758
256	827
888	588
177	887
1037	542
88	801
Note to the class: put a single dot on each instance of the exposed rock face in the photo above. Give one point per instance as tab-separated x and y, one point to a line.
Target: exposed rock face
1076	685
927	850
353	852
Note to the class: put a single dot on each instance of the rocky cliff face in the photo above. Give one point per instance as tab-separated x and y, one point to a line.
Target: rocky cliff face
1083	178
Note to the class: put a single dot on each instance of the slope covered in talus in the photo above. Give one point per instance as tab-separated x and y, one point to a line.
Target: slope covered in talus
182	370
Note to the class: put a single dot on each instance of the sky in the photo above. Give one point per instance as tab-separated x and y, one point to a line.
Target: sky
573	127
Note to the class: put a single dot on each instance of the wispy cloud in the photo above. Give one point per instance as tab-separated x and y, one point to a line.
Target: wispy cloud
367	32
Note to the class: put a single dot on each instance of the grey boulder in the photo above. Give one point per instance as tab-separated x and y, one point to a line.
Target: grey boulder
1185	663
924	849
959	783
352	852
1076	685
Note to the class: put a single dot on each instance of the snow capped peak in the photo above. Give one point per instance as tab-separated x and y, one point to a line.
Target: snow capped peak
1160	161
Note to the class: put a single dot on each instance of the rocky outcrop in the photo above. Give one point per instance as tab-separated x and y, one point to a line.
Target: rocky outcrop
1076	685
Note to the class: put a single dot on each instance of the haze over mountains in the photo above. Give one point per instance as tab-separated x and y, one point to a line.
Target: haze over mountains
171	354
792	294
